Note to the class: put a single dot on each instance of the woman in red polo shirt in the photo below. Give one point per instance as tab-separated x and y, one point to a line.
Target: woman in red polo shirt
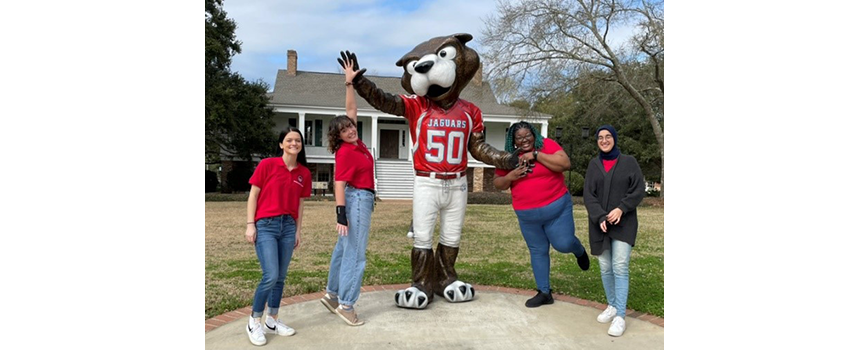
275	204
543	204
354	189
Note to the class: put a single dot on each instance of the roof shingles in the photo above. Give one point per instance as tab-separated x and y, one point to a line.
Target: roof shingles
327	90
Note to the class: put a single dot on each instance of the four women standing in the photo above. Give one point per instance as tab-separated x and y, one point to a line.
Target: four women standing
614	186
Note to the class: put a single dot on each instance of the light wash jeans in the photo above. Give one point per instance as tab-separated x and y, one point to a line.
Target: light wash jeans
614	264
551	224
348	261
274	245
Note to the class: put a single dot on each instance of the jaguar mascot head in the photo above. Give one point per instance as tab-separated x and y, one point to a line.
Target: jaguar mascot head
440	68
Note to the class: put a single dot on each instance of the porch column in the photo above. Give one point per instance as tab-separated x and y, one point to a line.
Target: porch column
375	145
544	129
301	123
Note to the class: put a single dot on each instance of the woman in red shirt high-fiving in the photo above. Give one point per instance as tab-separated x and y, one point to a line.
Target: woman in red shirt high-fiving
354	190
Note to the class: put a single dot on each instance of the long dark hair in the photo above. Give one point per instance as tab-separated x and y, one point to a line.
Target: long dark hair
509	138
302	156
334	127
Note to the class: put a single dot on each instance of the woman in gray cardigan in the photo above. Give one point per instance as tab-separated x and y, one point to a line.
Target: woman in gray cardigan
613	188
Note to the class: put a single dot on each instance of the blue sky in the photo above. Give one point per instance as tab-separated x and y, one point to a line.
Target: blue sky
379	32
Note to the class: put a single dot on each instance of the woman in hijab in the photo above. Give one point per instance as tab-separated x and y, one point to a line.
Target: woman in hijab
613	188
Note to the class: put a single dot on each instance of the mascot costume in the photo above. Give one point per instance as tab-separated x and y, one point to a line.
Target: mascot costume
442	128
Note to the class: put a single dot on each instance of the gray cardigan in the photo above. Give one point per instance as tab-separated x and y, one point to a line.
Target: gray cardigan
622	187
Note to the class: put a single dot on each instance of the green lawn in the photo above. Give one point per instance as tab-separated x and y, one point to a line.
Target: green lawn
492	253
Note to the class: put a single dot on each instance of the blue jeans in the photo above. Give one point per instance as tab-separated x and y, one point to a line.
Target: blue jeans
552	225
274	245
348	261
614	264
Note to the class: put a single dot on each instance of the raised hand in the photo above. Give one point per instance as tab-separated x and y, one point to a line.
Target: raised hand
350	66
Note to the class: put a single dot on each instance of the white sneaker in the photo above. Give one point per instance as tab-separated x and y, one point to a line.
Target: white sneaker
255	332
276	327
618	326
607	315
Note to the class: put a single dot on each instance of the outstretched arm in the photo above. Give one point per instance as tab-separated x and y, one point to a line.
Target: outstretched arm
483	152
382	101
350	73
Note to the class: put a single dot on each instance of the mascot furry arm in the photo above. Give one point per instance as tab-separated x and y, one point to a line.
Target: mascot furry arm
442	89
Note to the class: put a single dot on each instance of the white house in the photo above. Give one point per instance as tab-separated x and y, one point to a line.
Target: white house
309	100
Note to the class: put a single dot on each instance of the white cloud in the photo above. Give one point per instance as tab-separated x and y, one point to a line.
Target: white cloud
378	32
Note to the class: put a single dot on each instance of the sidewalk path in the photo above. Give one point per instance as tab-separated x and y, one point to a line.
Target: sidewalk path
496	319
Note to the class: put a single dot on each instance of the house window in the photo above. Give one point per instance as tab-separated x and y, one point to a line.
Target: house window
318	132
293	122
312	132
308	132
403	137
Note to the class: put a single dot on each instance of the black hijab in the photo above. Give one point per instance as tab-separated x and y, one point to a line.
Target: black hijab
615	151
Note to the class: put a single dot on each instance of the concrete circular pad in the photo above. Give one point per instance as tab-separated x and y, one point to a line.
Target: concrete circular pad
493	320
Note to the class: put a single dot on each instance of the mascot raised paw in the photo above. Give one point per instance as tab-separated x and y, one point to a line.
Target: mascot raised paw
443	128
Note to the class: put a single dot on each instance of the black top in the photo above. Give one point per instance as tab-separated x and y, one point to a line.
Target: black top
622	187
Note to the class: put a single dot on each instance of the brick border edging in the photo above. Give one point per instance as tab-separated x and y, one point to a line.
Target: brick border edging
228	317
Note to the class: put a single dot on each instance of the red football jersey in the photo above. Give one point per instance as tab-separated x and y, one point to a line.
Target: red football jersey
441	135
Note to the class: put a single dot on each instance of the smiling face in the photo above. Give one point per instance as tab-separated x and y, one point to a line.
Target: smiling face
524	140
348	133
291	143
605	141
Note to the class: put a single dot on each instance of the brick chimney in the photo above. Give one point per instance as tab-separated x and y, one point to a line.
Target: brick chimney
291	62
477	79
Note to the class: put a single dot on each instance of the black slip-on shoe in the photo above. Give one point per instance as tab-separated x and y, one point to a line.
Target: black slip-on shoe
583	261
540	299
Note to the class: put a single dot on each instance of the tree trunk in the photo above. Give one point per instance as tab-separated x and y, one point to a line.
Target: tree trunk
650	115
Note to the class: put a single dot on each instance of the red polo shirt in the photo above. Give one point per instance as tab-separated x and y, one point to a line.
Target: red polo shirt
541	187
354	164
281	190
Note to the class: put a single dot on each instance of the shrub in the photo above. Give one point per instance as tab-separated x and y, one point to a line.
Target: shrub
243	197
226	197
652	202
575	183
212	182
578	201
237	179
488	198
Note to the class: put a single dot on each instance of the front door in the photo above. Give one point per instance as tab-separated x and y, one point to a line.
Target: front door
389	144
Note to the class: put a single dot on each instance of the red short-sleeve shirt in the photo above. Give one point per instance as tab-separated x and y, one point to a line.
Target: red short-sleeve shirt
280	189
539	188
355	165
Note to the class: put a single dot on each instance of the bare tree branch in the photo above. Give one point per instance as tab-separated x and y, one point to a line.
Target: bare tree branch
539	47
